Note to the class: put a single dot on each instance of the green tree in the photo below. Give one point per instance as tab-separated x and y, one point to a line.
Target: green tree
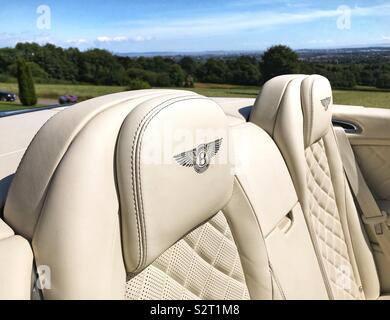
55	61
278	60
189	82
176	75
27	93
189	65
101	67
36	71
163	80
141	74
213	71
383	81
137	84
244	70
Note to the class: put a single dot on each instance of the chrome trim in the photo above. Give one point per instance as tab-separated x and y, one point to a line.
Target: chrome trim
349	127
4	114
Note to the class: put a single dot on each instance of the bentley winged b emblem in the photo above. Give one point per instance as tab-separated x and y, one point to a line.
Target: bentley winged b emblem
200	157
326	102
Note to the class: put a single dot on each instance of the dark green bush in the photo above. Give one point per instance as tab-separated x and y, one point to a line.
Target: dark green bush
7	78
189	82
383	81
163	80
137	84
27	94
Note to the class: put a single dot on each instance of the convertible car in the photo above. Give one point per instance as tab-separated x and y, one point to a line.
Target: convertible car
166	194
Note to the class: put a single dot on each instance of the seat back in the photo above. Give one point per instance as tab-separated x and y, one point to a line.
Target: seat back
303	131
267	202
121	197
263	181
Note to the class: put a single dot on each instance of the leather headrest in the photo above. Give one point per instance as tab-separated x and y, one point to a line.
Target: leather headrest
315	98
267	105
317	101
54	144
172	172
158	157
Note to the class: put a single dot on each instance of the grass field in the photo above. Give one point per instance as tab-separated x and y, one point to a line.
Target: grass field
225	90
6	106
366	98
53	91
363	96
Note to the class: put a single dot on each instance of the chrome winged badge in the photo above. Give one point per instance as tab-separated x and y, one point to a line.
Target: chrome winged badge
326	102
200	157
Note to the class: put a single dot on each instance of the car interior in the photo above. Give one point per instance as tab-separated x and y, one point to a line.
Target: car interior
163	194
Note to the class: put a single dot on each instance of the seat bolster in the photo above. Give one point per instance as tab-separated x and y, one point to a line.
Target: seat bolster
15	268
338	182
288	136
317	101
359	248
78	234
250	242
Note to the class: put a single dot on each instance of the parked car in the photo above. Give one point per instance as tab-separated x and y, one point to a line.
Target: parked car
7	96
67	99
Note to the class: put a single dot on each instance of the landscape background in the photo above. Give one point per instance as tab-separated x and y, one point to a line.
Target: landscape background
217	48
359	76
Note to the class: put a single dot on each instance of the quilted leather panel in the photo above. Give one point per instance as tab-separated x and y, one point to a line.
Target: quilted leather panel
374	161
203	265
325	222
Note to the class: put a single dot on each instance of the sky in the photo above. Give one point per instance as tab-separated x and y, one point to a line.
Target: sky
195	25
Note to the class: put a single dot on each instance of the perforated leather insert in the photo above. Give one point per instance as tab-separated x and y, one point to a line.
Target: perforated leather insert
203	265
325	220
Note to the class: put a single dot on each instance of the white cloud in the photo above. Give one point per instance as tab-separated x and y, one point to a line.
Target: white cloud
234	23
142	39
119	39
77	41
11	39
104	39
321	41
252	3
222	24
123	39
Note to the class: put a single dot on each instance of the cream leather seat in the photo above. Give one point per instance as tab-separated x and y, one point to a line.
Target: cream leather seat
300	124
19	130
158	194
121	197
264	198
264	191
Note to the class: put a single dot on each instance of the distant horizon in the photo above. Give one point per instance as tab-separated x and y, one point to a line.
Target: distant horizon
260	50
196	25
357	47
